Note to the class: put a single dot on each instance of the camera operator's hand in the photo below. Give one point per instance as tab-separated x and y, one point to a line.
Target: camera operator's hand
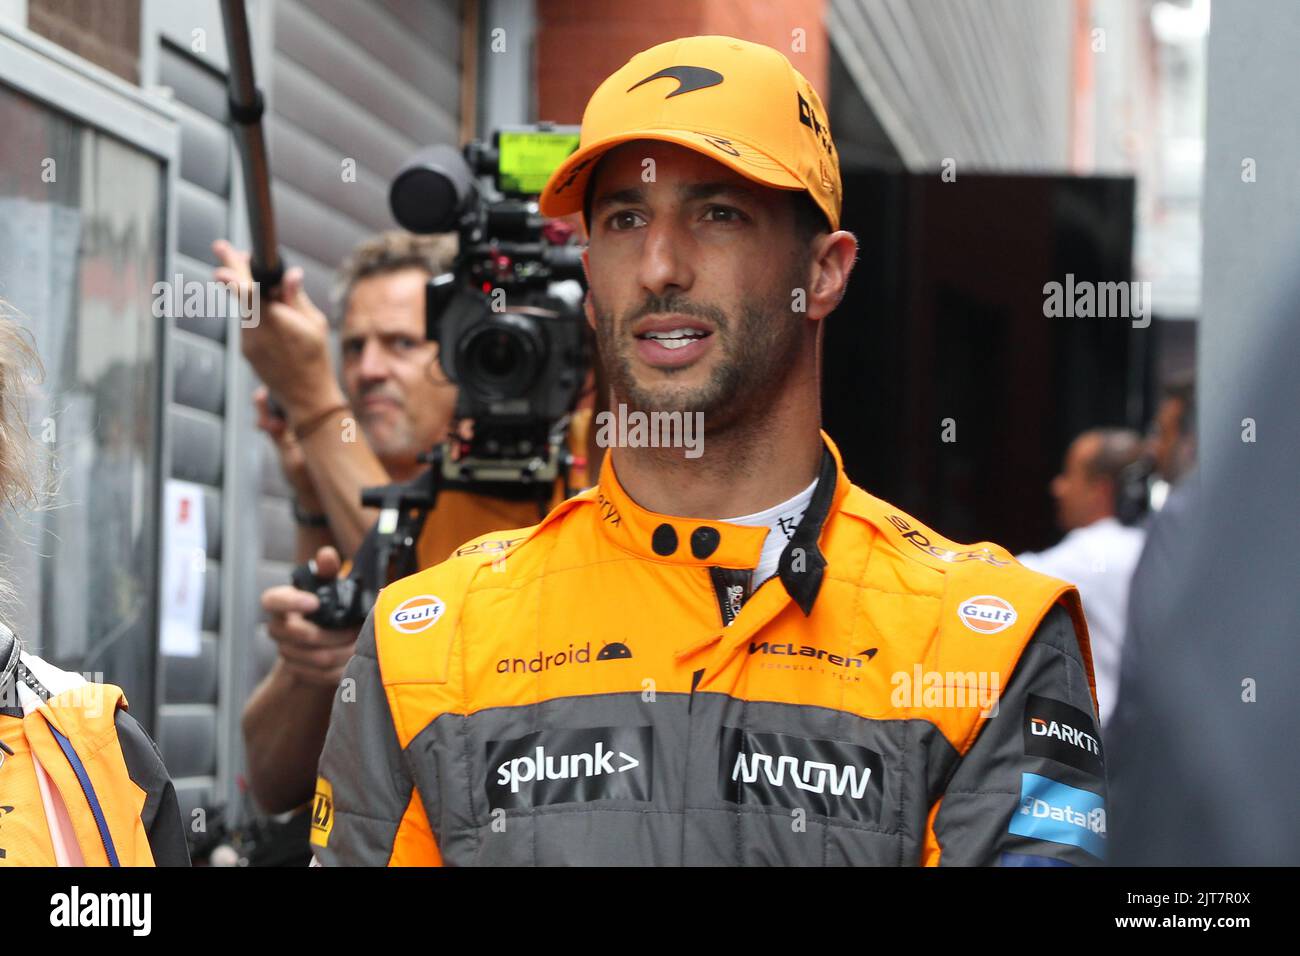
292	461
309	653
289	345
459	436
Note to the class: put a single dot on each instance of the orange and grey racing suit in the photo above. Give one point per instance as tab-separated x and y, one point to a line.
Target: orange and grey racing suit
609	687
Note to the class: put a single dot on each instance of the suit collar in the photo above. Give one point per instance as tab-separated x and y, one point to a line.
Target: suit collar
696	542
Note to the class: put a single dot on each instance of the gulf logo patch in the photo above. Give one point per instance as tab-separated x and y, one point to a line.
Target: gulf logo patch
417	614
986	614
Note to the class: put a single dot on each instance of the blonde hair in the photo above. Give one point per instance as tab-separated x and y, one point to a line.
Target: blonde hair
20	367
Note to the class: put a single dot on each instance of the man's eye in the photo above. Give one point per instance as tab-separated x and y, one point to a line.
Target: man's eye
402	343
724	214
623	220
351	349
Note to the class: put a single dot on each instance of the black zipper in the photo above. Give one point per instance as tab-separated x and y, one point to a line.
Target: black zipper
695	682
731	589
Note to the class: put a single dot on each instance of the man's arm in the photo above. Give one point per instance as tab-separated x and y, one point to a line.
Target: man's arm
367	810
288	347
309	538
284	725
1031	790
286	717
341	464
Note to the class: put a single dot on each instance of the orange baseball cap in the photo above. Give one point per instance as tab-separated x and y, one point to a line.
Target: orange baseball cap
740	103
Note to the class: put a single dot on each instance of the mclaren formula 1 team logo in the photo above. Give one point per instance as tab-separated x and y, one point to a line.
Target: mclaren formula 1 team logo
689	79
828	778
417	614
986	614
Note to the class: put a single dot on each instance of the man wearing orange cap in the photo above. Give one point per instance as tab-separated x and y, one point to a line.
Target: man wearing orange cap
639	679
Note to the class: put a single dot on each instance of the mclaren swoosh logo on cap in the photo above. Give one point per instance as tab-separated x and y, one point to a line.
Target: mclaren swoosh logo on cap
689	78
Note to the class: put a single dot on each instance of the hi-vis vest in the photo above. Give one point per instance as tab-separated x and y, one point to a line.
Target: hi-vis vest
610	687
66	796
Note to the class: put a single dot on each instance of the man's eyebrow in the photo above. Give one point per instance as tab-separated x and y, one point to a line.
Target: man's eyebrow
382	334
709	190
632	194
689	192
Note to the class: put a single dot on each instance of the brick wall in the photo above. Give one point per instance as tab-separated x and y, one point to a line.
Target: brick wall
580	42
107	34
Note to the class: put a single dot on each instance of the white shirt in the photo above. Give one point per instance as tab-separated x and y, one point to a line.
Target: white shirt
1098	559
780	520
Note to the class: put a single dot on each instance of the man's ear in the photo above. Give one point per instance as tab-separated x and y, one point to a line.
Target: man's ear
833	258
587	308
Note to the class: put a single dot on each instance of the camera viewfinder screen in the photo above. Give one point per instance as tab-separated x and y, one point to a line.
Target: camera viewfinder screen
527	159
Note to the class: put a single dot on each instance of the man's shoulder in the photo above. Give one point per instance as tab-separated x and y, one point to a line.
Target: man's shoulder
981	588
506	551
920	544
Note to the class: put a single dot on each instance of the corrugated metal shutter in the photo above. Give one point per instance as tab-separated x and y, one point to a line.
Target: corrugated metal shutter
370	83
188	720
986	84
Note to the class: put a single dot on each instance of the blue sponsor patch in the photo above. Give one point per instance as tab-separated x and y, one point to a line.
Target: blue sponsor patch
1058	813
1029	859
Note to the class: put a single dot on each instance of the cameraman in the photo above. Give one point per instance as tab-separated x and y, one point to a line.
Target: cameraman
396	390
394	387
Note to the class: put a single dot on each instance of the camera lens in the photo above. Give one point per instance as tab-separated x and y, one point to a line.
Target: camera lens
501	358
498	354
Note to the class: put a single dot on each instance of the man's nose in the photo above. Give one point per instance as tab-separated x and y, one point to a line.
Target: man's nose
374	362
665	258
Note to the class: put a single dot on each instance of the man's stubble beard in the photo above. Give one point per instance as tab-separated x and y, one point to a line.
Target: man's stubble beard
759	350
390	435
392	440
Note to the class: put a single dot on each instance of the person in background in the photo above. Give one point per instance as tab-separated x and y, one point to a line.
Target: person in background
1171	444
81	783
393	385
394	388
1098	553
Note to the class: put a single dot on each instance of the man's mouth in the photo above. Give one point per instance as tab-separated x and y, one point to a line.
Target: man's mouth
671	341
374	403
675	338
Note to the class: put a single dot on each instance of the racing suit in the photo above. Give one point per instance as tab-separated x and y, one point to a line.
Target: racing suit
607	688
